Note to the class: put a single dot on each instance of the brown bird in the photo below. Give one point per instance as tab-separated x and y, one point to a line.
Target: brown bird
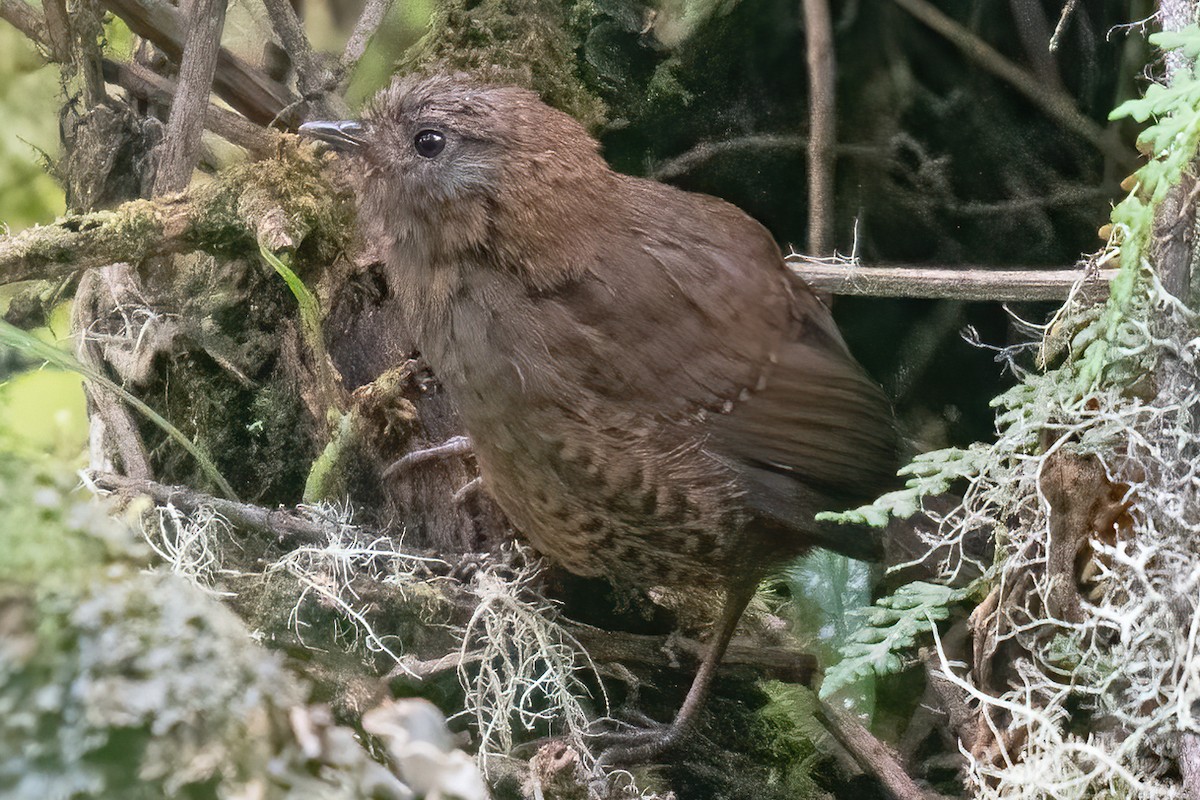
653	396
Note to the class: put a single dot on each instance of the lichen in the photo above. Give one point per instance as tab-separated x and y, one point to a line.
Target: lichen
1083	682
122	681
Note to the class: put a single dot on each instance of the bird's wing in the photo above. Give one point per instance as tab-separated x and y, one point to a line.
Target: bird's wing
698	320
818	420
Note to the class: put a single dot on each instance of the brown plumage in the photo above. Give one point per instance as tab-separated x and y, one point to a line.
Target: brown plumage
652	395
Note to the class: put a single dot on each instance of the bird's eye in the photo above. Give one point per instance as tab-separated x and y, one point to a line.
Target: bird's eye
429	143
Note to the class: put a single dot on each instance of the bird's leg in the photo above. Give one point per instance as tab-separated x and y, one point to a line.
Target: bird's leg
454	446
644	745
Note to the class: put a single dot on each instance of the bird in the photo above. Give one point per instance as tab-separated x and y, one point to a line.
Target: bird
652	395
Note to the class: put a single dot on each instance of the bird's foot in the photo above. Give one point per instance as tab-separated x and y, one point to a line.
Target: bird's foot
468	490
454	446
641	742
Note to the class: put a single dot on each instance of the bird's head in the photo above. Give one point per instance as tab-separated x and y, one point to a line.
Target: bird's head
452	166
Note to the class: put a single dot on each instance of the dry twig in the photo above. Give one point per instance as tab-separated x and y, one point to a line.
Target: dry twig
260	142
368	23
180	150
1055	103
958	283
1063	19
288	527
822	93
871	754
246	88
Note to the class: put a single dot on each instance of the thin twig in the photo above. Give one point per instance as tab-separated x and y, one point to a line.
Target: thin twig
1054	199
288	527
246	88
313	78
822	94
180	150
452	447
1068	10
959	283
706	151
148	85
372	17
1054	102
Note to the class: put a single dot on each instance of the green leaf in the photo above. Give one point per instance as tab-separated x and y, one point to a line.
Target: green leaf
929	474
14	337
310	309
893	625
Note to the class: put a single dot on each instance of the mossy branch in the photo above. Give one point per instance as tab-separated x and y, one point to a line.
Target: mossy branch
276	203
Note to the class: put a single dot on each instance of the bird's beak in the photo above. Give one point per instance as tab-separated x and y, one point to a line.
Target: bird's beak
343	135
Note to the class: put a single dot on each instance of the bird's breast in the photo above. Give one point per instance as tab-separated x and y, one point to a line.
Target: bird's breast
589	476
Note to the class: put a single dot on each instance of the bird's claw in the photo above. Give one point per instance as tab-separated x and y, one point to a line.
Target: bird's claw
639	742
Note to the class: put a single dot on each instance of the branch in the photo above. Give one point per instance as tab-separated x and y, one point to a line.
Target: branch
613	647
58	30
372	17
114	429
148	85
782	663
1175	15
26	19
181	147
1054	102
291	529
706	151
872	755
314	80
1061	27
246	88
822	91
1175	220
288	527
71	39
135	231
1189	764
955	283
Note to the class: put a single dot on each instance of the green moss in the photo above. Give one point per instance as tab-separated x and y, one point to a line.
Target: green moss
327	479
122	235
259	436
130	227
50	250
525	42
229	210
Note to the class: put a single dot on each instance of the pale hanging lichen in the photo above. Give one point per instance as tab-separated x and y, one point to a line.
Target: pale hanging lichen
1085	676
